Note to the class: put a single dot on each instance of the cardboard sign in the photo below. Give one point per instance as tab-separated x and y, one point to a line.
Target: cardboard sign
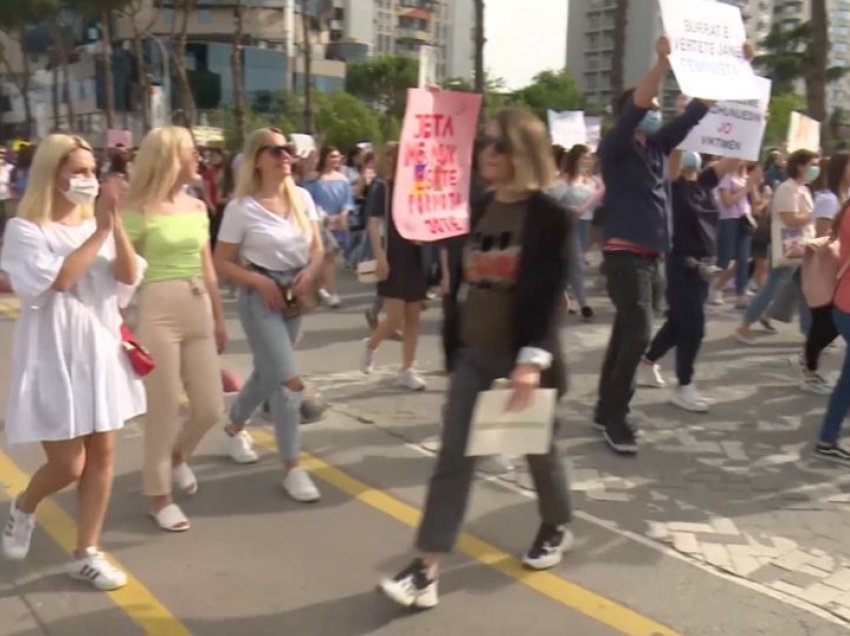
431	196
427	66
707	40
567	128
495	431
206	136
803	133
304	144
593	126
116	136
733	129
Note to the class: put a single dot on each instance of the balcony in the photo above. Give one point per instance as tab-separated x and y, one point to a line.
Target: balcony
418	36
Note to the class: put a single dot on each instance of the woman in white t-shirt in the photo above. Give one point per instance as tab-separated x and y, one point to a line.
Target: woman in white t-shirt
269	244
792	224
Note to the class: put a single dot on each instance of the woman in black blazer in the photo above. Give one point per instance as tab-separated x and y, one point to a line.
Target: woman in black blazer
513	270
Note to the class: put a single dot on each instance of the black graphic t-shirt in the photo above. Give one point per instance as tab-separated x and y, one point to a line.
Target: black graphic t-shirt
490	268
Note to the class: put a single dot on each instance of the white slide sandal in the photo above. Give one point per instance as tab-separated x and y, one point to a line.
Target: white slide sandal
171	519
185	479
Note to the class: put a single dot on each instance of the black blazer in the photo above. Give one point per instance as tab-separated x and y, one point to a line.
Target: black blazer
546	245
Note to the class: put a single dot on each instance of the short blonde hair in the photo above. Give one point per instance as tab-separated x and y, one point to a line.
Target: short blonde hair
51	154
157	166
529	149
386	160
248	178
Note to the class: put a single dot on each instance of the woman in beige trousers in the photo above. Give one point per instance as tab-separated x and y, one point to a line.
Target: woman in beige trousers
180	318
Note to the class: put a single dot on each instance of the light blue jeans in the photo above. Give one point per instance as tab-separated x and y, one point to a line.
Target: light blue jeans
734	245
575	271
584	227
839	403
777	277
271	338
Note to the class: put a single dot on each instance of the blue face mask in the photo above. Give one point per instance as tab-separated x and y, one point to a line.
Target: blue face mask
650	123
691	162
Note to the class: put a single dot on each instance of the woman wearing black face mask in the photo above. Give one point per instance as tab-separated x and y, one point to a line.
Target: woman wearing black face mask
689	268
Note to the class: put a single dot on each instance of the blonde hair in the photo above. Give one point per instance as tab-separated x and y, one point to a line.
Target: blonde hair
386	160
157	166
51	154
529	150
248	178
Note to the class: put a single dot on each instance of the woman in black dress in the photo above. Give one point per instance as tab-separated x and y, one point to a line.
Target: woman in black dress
401	270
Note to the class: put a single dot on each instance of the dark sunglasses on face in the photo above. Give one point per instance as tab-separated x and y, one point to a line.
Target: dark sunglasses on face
499	145
279	151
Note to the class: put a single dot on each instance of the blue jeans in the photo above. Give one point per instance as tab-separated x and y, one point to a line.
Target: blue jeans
575	273
584	235
733	244
271	338
839	403
777	277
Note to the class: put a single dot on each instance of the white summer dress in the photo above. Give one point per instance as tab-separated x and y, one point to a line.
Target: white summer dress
70	376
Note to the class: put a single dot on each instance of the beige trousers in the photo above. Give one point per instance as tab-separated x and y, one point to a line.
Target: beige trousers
175	324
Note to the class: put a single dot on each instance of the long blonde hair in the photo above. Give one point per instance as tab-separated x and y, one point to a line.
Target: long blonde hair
157	166
529	149
51	154
248	178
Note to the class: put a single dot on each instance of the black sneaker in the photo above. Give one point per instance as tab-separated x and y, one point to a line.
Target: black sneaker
621	439
548	548
411	587
833	453
587	314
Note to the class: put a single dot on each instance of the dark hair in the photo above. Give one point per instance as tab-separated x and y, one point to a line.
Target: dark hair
558	154
572	159
323	156
796	161
351	157
624	100
118	163
835	171
836	222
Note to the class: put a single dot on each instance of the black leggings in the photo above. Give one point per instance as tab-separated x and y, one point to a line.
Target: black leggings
821	334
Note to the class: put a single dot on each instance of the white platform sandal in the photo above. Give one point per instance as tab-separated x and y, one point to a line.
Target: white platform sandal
171	519
185	479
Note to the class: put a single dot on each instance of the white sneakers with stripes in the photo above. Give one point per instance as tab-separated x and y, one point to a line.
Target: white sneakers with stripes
97	570
17	534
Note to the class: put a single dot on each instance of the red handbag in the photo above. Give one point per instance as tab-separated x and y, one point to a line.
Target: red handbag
139	357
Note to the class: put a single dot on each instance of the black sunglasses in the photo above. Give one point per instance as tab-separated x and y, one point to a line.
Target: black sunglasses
499	144
279	151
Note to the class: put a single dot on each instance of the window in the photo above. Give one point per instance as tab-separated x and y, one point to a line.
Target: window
839	47
168	15
204	16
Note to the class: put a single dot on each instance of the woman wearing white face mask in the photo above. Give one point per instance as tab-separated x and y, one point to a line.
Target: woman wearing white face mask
72	386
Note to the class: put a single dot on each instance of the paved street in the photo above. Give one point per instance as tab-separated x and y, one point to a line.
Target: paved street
722	524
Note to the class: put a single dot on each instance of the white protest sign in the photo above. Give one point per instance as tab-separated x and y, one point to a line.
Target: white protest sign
734	128
567	128
707	43
427	66
593	126
803	133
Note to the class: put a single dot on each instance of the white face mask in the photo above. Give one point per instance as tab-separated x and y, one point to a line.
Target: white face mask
82	190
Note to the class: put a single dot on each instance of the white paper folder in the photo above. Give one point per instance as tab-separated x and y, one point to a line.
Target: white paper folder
494	431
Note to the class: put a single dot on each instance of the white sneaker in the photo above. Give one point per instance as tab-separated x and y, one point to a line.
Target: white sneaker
649	375
815	383
687	398
411	587
17	534
715	297
367	359
97	570
411	380
331	300
300	486
240	447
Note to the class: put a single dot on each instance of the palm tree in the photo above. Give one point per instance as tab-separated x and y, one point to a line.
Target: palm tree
480	41
618	62
815	68
133	12
178	58
236	70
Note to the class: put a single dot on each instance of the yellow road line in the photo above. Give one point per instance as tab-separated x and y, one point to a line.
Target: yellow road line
592	605
134	599
10	307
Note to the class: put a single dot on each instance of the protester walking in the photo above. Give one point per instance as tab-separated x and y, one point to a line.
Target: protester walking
72	386
272	226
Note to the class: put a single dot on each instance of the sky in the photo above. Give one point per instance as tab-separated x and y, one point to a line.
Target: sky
524	37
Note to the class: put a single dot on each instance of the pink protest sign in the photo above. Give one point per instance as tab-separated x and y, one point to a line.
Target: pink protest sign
116	136
431	198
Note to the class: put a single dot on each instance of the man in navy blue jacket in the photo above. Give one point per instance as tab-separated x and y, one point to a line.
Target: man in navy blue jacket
637	233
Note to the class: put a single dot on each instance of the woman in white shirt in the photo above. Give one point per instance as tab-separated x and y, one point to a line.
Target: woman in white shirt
272	226
72	386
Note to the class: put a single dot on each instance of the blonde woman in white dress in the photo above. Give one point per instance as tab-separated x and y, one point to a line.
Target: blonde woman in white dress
72	387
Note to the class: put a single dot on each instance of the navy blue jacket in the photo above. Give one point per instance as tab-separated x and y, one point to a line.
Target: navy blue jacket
637	190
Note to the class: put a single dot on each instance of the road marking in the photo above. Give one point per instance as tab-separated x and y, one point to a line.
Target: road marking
592	605
134	599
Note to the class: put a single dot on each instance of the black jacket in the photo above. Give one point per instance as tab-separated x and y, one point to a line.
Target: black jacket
547	241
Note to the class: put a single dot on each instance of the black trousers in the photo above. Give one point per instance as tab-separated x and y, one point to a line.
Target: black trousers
822	332
632	282
685	325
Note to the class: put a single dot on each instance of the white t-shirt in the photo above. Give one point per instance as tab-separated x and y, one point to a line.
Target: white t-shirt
5	181
787	243
826	205
265	238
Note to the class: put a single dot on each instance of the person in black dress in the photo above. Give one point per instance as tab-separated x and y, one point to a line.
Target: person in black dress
401	271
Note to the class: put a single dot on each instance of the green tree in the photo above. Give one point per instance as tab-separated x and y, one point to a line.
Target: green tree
781	106
556	90
345	121
382	83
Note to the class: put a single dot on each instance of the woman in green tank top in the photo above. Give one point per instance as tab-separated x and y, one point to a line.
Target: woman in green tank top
180	315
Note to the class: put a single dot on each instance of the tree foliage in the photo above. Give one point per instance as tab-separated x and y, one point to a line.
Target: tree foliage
382	82
781	106
345	121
